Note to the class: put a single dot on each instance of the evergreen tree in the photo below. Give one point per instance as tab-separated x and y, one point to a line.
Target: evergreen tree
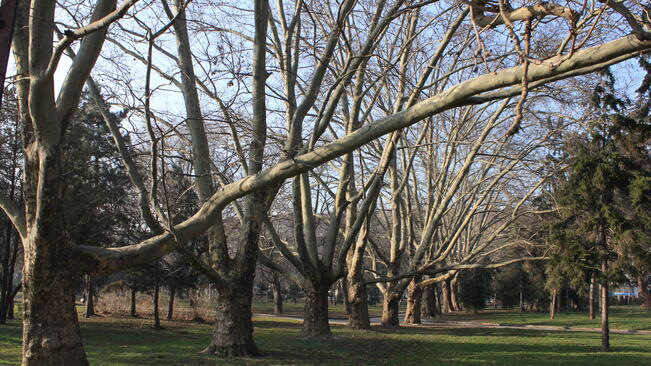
10	185
475	288
606	197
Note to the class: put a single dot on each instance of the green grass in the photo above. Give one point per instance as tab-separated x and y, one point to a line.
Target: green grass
121	341
621	317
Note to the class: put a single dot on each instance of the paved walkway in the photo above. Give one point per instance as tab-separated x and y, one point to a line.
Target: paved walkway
433	323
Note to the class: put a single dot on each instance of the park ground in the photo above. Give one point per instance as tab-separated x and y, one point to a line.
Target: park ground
115	340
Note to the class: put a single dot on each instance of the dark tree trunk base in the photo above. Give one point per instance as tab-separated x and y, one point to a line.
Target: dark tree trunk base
447	306
277	293
315	322
132	311
357	304
390	309
170	304
90	298
233	333
358	317
429	308
414	297
51	333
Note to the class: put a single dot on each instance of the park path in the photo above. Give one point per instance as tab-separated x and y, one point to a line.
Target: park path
429	323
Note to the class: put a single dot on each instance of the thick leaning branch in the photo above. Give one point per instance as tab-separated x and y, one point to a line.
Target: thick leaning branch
15	214
526	12
106	260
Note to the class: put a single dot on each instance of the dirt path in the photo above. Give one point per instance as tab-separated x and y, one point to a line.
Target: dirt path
429	323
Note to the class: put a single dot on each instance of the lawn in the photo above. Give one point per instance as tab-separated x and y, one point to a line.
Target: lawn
122	341
621	317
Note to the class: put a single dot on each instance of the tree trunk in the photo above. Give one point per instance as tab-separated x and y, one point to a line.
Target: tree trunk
605	341
552	306
454	294
431	293
414	297
170	305
344	290
355	292
133	302
156	297
495	300
233	332
11	305
50	327
276	289
390	308
447	305
90	294
357	300
315	322
646	296
428	302
193	295
438	297
591	298
567	300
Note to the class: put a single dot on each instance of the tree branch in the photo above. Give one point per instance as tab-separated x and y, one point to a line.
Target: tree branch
465	93
15	214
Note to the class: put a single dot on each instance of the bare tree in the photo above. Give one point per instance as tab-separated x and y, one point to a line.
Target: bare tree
52	262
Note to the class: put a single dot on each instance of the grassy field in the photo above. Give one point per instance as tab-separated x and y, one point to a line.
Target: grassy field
121	341
621	317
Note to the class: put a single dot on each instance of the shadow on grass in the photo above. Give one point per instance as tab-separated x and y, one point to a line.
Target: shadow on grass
119	342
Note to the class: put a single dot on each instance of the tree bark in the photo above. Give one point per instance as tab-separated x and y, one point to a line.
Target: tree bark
357	301
567	300
192	301
429	308
646	296
605	337
344	290
11	305
390	308
552	305
51	333
591	298
454	294
50	327
447	305
414	297
90	294
133	312
355	292
156	298
170	305
233	332
277	292
315	322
